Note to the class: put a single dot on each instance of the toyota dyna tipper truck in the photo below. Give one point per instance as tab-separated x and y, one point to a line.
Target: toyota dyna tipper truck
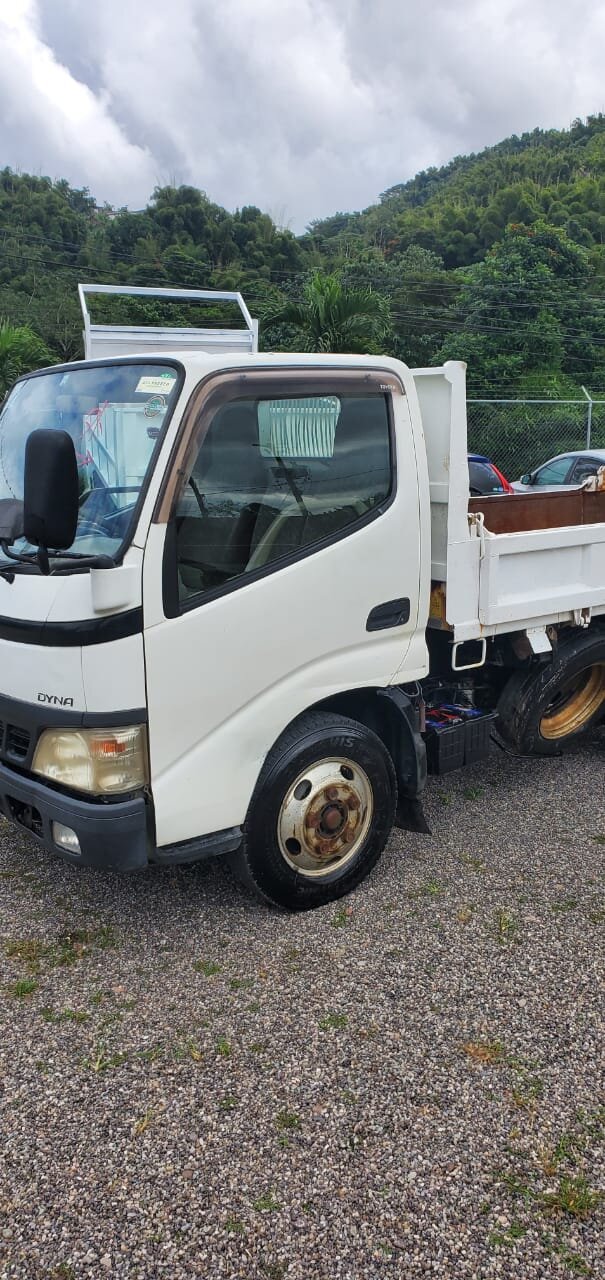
244	596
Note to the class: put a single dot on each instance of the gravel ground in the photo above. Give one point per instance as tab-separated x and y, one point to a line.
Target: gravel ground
407	1084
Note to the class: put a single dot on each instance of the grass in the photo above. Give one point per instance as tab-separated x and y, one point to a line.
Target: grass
223	1047
35	954
507	927
100	1060
573	1197
570	1197
516	1231
266	1203
143	1124
564	1150
564	904
574	1262
487	1053
471	860
430	889
235	1226
342	917
151	1054
207	967
287	1120
24	987
187	1050
527	1092
64	1015
333	1021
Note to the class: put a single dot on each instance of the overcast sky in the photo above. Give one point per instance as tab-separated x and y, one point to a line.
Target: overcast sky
303	107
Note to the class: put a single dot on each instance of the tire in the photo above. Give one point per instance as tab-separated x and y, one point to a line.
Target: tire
541	711
331	782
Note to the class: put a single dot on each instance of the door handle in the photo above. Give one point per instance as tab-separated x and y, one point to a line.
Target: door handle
393	613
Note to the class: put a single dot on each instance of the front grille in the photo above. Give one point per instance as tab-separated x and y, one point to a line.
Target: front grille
16	744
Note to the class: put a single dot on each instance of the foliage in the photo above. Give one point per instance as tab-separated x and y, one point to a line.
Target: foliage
496	258
522	322
331	317
20	351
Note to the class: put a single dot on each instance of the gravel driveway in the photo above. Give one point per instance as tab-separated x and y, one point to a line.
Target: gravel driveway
408	1084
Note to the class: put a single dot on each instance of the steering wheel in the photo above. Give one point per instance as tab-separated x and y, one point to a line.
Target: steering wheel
88	529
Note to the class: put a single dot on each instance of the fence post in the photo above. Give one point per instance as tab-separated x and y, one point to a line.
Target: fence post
588	417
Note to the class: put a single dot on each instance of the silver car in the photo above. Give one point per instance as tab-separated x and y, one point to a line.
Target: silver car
566	470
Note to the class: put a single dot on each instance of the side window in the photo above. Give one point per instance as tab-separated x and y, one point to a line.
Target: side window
554	472
275	477
584	468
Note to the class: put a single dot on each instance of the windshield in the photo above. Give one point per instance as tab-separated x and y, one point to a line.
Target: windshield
114	415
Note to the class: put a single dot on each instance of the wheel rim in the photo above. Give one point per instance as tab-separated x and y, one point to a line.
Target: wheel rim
575	703
325	816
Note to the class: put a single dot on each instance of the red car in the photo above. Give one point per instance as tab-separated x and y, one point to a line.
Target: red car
484	477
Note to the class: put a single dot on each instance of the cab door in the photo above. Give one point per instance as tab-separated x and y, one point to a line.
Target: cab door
282	566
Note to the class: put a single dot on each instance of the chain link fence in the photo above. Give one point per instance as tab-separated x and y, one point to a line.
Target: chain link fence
519	435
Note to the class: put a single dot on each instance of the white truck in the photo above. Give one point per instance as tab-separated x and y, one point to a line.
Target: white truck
230	586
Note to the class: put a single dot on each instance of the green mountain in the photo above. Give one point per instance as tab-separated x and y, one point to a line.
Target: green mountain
497	258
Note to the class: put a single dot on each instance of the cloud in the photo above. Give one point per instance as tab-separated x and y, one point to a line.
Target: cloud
54	123
303	108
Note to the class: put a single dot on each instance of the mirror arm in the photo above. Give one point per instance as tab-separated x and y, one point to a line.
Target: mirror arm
15	555
42	561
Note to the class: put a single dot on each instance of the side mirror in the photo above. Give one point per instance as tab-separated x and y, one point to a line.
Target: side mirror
527	478
50	490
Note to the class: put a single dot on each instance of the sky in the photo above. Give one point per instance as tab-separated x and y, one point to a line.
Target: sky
302	107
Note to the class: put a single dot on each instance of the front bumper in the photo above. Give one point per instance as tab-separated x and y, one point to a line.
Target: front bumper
113	835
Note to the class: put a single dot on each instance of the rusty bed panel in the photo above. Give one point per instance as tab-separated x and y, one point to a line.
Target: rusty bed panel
523	512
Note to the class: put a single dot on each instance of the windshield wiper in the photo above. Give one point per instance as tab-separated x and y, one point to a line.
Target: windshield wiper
78	558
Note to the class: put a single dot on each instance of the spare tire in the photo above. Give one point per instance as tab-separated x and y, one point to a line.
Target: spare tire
543	709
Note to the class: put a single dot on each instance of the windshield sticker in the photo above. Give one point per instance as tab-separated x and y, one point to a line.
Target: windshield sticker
93	421
154	406
158	382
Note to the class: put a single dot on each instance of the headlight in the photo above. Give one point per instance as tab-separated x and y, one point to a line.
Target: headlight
100	761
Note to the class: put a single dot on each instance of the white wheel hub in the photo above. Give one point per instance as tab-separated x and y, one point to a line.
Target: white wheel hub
325	816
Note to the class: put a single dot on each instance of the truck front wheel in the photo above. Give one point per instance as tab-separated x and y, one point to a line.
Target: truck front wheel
321	813
543	710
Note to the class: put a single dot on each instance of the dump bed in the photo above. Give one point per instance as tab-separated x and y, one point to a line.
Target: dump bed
506	563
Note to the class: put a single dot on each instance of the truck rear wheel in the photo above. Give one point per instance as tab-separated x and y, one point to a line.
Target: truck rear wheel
321	813
543	710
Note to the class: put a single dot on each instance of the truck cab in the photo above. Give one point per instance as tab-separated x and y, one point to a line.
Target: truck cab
248	551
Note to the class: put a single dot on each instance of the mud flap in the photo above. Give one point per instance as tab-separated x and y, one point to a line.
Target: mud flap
410	816
408	751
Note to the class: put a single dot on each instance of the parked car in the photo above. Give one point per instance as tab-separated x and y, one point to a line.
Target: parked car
567	469
484	477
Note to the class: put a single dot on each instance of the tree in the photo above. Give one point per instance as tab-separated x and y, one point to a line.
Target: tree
527	316
330	317
20	351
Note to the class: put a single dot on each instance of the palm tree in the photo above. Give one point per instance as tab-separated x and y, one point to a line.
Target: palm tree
331	317
20	350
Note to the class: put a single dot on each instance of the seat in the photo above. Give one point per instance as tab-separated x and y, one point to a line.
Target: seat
337	491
